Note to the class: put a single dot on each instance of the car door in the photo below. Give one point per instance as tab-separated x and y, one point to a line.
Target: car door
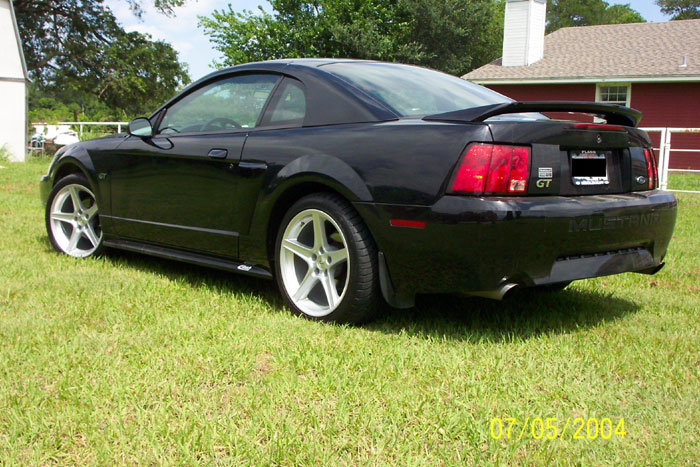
178	188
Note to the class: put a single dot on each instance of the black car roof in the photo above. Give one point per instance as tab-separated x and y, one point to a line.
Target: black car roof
281	63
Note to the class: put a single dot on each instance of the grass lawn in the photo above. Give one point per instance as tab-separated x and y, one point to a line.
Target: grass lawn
684	181
130	359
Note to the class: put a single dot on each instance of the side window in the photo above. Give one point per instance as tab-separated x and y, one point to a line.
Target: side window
231	103
290	106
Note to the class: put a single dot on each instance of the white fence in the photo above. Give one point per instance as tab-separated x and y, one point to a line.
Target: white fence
80	125
664	151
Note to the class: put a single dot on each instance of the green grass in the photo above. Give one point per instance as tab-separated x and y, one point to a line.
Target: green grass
684	181
128	359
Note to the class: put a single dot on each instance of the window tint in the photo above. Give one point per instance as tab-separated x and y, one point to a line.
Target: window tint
231	103
291	106
413	91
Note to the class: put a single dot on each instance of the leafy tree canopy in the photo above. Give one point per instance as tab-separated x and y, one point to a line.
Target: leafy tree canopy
163	6
680	9
77	53
566	13
454	36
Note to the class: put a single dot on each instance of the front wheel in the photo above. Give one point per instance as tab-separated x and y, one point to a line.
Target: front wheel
72	219
326	261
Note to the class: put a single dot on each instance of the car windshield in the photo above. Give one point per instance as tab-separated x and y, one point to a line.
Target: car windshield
411	91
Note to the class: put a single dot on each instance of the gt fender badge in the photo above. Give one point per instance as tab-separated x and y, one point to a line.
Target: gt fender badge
244	267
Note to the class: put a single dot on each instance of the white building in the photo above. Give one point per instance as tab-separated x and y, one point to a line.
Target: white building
13	86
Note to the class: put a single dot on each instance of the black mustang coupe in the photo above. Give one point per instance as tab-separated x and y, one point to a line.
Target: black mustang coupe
348	181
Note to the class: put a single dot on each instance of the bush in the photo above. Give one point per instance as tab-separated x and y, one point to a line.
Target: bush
4	153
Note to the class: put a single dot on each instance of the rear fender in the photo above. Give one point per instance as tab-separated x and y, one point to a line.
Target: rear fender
323	169
300	177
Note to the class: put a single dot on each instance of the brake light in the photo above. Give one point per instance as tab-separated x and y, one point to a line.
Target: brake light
598	126
652	171
493	169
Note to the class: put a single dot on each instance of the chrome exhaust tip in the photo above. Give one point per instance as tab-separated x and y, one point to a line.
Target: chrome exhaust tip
500	293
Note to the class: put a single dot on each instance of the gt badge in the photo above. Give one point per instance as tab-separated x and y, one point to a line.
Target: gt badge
545	177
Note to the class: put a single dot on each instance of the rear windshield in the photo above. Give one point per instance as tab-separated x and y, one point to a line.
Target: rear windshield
412	91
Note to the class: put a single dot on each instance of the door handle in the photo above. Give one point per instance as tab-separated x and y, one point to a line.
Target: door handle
218	153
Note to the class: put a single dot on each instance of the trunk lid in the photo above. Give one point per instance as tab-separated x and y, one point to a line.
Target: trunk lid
570	159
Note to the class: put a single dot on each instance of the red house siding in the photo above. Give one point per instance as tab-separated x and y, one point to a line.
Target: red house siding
672	105
547	92
662	104
550	92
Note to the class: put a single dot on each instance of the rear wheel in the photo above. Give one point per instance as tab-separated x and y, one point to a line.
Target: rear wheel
326	262
72	219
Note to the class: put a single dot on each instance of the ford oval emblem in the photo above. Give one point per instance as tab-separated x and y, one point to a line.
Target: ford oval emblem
641	180
599	139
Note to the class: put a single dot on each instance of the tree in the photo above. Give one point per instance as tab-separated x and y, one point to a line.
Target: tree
163	6
451	35
680	9
75	49
567	13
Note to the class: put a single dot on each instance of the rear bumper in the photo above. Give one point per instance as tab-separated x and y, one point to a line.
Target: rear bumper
472	245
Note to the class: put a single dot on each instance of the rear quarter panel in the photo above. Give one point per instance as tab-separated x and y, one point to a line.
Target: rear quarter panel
398	162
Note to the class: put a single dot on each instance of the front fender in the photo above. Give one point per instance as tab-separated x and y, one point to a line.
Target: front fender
73	159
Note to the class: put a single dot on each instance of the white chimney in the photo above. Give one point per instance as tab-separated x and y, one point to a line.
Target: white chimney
523	32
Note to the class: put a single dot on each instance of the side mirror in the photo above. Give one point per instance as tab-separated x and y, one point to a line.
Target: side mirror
140	127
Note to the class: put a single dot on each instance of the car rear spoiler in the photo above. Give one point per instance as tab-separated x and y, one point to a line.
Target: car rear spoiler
613	114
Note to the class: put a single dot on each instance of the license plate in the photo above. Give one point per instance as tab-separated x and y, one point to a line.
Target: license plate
590	167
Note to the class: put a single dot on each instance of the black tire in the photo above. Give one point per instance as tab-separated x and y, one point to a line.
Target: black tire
361	301
59	231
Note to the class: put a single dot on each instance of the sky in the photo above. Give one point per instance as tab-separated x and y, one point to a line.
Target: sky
197	52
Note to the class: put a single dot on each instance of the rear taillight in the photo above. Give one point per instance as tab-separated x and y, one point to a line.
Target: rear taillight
492	169
652	172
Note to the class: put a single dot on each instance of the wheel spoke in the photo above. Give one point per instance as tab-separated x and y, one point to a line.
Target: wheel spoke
306	285
320	240
63	217
75	197
328	283
91	235
338	256
302	251
74	239
91	211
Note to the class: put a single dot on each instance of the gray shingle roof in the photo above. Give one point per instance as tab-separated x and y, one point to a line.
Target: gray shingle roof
624	51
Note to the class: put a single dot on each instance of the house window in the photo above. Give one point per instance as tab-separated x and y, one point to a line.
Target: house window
614	93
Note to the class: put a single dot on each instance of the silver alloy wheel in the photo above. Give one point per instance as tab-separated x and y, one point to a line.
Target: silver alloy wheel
74	221
314	262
